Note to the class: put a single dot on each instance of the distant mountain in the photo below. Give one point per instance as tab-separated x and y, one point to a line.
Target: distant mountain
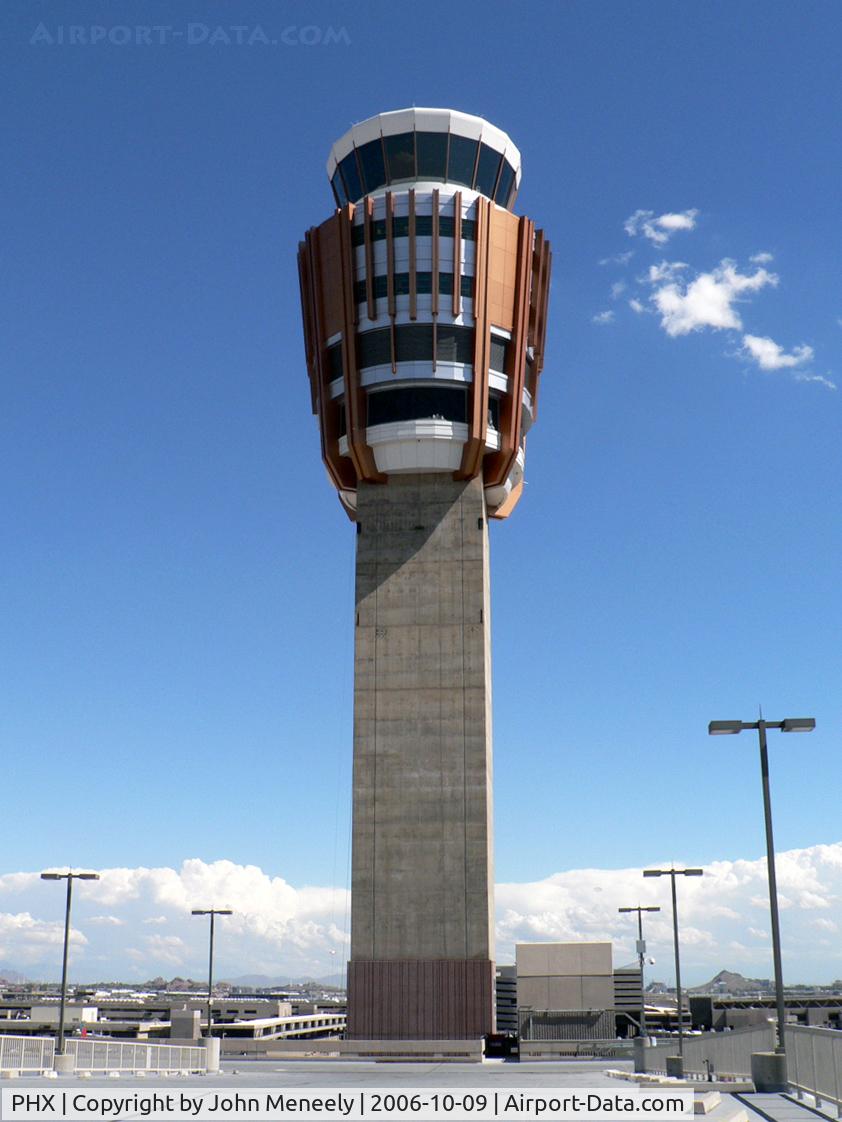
260	981
268	982
726	981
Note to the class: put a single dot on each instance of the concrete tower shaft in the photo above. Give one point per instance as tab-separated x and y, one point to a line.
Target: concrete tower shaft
425	309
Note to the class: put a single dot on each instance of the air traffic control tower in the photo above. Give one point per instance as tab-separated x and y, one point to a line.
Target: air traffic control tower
425	309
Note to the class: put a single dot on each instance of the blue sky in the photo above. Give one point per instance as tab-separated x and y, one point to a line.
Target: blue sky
177	575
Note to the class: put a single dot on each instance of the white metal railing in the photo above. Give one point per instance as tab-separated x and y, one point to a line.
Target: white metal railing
114	1055
26	1053
814	1063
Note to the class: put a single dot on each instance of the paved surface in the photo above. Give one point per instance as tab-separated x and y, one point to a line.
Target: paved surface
781	1108
492	1074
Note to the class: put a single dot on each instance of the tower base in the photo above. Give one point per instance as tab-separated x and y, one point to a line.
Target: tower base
420	999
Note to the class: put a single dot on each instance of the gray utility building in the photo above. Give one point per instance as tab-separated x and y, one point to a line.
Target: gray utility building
565	991
424	300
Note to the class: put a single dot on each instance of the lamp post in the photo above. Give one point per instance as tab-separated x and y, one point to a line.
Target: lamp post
69	876
672	873
641	952
213	913
790	724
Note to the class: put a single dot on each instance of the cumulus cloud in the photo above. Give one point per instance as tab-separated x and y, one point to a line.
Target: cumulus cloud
636	305
770	355
706	301
25	939
660	229
761	258
280	929
602	318
617	289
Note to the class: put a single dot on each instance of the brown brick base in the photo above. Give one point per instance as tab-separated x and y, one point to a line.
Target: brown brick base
418	999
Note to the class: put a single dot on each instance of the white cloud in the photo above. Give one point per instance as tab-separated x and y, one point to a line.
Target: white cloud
619	259
617	289
770	355
708	300
761	258
280	929
666	271
636	306
169	949
24	939
602	318
825	924
819	378
660	229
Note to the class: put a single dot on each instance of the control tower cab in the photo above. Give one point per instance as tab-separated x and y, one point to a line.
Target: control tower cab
425	306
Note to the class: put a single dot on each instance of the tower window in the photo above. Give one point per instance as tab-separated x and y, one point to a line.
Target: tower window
333	357
414	343
505	184
487	168
400	154
463	156
416	403
432	155
373	165
351	176
499	354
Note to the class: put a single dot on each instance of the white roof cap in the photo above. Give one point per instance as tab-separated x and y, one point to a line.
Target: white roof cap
425	120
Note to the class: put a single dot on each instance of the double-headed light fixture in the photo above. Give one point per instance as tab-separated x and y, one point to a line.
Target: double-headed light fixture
672	873
69	876
791	724
213	913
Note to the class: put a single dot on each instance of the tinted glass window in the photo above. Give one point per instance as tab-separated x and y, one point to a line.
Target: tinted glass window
414	342
463	154
413	403
489	164
499	352
400	152
504	187
334	361
373	167
338	189
374	348
432	154
423	228
351	177
494	411
455	344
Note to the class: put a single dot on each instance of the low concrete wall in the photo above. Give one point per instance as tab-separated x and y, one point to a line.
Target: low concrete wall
463	1051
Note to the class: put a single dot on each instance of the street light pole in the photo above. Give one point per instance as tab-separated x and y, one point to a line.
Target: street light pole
790	724
641	951
672	873
69	876
213	913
